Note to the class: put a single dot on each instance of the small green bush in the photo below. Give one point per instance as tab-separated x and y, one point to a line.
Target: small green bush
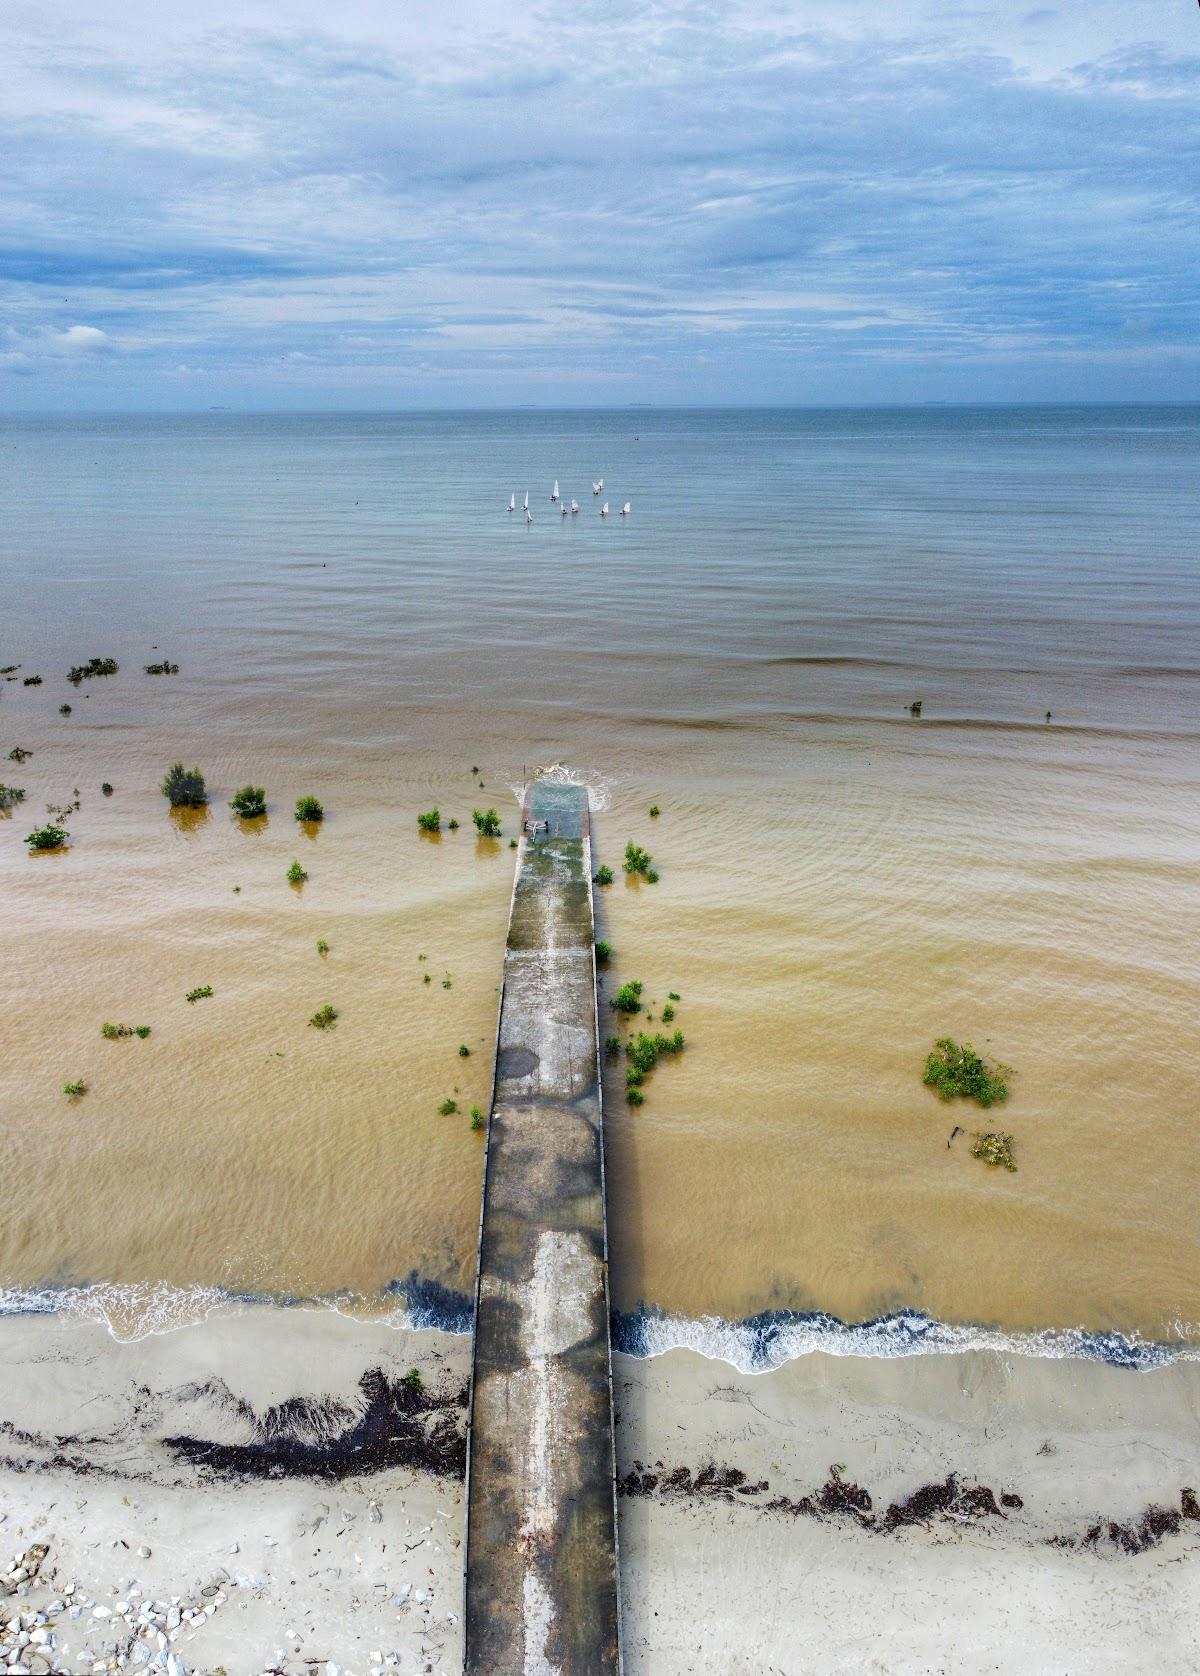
322	946
296	874
48	838
32	681
10	796
603	876
413	1383
960	1071
612	1046
64	709
487	823
201	994
183	787
324	1018
995	1148
627	1000
452	825
427	978
163	668
19	754
603	949
430	821
447	1106
250	802
142	1030
636	858
464	1051
668	1014
655	811
106	789
635	1097
914	708
477	1118
672	995
512	843
74	1089
309	809
650	876
94	666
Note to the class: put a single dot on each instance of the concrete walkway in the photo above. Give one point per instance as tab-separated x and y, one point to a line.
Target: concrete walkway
541	1564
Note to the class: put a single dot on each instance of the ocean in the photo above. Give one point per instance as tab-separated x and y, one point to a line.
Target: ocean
356	615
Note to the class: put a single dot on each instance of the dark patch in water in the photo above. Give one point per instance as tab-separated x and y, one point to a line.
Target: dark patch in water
396	1425
432	1305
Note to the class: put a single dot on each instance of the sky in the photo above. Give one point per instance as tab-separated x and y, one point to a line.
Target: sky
679	202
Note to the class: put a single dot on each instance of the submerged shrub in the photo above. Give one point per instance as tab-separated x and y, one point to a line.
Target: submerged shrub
655	811
612	1046
603	876
635	1097
668	1013
430	821
142	1030
163	668
995	1148
64	709
464	1051
32	681
94	666
10	796
637	860
487	823
627	1000
452	825
447	1106
184	787
309	809
250	802
48	838
202	994
115	1032
106	789
672	995
74	1089
19	754
955	1070
603	949
322	946
477	1118
296	874
413	1383
324	1018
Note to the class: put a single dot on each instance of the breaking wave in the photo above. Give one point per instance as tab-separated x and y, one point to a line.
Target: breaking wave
768	1340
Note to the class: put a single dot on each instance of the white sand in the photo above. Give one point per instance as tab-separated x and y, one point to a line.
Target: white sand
707	1586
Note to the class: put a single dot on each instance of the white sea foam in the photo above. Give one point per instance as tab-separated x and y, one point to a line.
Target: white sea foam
128	1311
761	1343
599	785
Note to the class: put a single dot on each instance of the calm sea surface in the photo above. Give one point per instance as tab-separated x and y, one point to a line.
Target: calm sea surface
355	615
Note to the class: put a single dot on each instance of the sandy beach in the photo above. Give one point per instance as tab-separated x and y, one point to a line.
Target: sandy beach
257	1493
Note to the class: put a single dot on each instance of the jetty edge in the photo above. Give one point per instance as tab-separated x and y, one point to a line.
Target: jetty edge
541	1594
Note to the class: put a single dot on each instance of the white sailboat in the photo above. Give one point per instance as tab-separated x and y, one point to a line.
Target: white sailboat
574	507
563	509
596	487
554	491
528	516
525	508
604	510
512	503
626	510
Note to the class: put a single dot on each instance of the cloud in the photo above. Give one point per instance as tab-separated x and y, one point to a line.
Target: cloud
668	200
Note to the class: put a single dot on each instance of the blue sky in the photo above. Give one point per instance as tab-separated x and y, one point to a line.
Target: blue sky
368	205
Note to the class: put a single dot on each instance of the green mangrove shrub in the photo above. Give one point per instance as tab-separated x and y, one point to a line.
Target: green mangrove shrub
250	802
413	1383
637	860
32	681
628	999
447	1106
430	821
995	1148
487	823
183	787
106	788
464	1051
116	1032
296	874
163	668
955	1070
19	754
452	825
94	666
203	993
73	1090
309	809
324	1018
64	709
47	838
655	811
322	946
603	949
477	1118
603	875
10	796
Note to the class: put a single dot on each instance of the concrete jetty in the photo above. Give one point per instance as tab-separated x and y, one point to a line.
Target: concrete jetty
541	1552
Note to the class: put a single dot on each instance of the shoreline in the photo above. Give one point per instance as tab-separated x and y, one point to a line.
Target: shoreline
270	1445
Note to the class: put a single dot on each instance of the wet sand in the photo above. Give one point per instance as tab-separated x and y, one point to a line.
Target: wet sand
325	1563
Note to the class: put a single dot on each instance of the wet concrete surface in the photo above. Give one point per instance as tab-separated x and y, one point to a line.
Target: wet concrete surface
541	1568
